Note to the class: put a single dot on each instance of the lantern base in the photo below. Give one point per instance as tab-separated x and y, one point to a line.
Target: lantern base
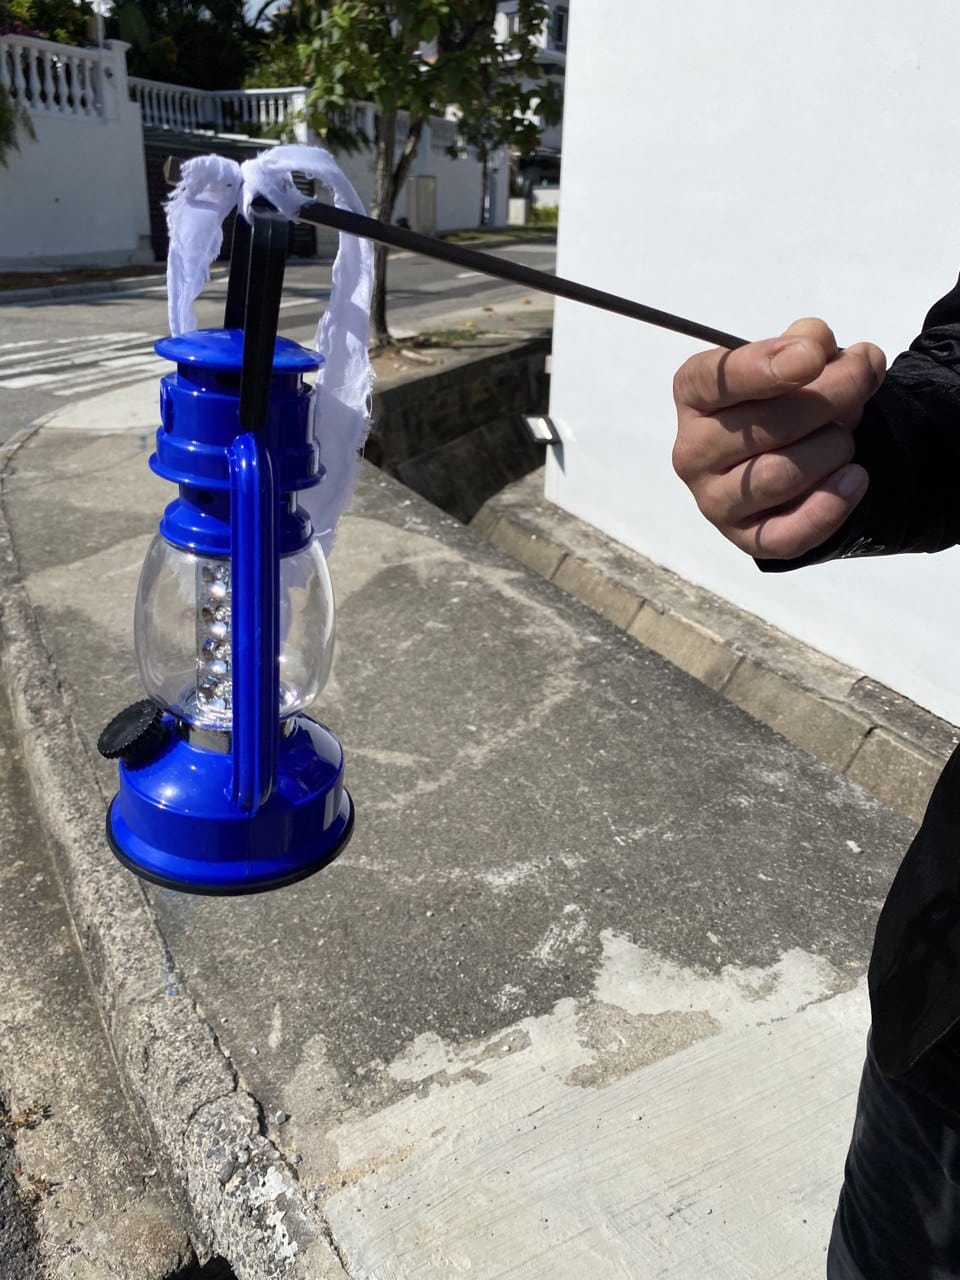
173	821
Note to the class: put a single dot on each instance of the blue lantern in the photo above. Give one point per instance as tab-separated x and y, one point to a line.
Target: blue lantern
225	785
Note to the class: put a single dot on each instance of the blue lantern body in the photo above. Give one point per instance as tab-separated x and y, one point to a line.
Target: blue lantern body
235	790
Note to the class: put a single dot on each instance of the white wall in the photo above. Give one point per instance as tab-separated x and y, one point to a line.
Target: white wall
745	166
459	187
78	193
459	183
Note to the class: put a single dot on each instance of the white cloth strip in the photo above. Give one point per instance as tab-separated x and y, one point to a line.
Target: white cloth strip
209	188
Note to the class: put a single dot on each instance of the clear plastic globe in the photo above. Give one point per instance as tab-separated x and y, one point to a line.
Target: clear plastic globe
184	638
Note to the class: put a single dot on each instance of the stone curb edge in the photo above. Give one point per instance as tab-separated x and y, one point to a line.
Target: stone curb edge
836	725
89	289
244	1200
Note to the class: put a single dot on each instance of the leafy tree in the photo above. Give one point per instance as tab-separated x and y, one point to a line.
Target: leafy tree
505	114
420	57
206	44
12	118
8	128
280	60
46	21
59	20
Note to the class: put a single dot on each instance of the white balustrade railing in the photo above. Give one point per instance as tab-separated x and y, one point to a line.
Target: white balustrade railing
48	78
243	112
266	113
58	79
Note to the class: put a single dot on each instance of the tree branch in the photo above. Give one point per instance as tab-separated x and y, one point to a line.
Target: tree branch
402	167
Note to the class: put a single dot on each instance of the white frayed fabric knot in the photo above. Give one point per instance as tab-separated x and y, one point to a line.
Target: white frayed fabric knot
209	188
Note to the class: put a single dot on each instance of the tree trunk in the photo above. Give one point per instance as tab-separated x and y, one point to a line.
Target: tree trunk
382	208
484	184
388	179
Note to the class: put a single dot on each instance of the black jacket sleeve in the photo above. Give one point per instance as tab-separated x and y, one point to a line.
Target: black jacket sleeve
909	443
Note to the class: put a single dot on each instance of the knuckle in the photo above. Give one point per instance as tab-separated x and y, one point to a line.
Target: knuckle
768	479
684	382
816	326
713	505
678	458
860	379
781	540
683	460
817	329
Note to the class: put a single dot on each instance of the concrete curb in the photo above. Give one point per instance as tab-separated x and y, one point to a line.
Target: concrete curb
90	289
244	1200
872	735
78	292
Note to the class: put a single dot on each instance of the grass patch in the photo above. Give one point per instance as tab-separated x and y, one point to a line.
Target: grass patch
443	338
543	215
501	233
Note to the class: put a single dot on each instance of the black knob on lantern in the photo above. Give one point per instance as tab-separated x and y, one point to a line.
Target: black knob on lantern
135	734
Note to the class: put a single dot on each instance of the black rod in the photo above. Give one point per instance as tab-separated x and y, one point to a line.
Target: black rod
328	215
267	255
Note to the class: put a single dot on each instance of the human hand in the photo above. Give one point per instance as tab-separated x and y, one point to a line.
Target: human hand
765	437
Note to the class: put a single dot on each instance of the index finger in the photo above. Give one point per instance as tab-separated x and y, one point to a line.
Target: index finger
717	379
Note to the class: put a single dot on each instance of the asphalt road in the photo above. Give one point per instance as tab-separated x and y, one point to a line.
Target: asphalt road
51	349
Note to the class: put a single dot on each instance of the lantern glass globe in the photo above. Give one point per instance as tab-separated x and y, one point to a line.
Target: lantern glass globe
183	630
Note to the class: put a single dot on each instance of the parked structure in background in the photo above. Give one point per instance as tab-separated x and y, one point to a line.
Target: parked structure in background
756	189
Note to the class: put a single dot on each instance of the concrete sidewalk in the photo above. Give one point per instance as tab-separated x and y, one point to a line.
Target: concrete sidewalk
860	728
583	997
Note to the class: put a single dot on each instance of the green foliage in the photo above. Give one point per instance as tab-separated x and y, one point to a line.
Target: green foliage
280	61
543	215
8	128
423	56
206	44
60	20
12	117
444	338
279	64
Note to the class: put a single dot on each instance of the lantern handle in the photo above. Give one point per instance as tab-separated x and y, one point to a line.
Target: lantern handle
258	258
233	312
256	620
259	281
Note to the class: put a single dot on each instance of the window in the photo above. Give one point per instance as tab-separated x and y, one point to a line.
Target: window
560	15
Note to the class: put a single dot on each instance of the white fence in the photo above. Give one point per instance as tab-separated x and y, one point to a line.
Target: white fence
76	191
55	79
279	114
270	113
243	112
